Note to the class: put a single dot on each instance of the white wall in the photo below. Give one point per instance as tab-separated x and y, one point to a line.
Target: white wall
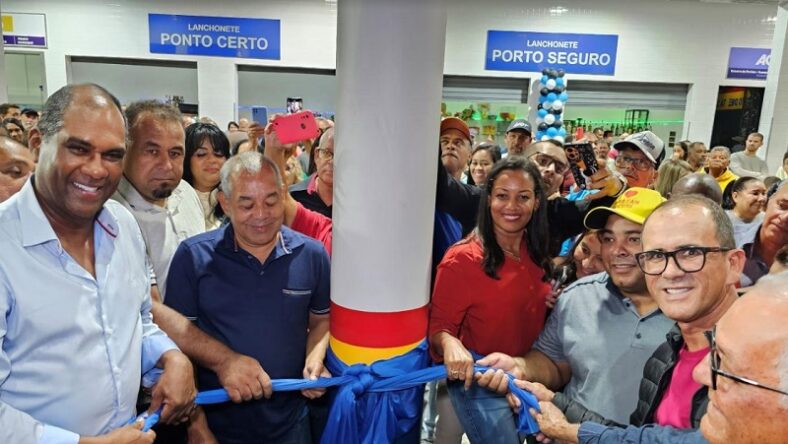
134	82
272	89
678	41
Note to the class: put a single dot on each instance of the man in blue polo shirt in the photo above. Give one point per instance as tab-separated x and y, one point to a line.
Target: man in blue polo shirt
263	290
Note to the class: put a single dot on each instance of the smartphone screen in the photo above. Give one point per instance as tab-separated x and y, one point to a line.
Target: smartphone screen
294	105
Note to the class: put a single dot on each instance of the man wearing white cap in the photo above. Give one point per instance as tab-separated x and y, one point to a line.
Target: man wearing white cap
639	157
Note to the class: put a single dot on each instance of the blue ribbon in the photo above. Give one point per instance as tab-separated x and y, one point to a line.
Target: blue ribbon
373	403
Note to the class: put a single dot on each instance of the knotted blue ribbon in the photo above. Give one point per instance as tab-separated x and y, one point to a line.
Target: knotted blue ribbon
374	403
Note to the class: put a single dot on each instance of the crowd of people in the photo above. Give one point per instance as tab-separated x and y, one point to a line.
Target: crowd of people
636	308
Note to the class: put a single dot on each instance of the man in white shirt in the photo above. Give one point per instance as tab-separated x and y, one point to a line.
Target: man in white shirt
166	208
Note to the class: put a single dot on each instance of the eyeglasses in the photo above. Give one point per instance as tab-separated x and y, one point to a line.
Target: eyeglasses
544	161
638	163
688	259
325	154
715	367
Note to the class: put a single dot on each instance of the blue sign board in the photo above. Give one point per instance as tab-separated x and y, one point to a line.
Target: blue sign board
214	36
749	63
534	51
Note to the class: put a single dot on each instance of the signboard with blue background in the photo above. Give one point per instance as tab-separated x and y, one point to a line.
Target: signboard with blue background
749	63
533	51
214	36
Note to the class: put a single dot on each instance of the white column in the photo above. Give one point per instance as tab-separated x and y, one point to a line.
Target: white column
217	89
774	113
699	112
390	75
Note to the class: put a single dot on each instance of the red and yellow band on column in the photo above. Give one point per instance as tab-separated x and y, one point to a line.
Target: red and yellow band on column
363	337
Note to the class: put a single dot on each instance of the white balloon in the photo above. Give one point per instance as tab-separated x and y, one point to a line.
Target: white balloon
557	105
549	119
547	105
550	84
539	120
545	137
559	139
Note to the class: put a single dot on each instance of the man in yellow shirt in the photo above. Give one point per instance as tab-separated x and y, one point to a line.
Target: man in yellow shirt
719	159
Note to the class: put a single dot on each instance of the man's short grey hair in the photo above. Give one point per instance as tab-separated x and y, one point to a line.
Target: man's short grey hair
250	162
722	223
51	121
721	149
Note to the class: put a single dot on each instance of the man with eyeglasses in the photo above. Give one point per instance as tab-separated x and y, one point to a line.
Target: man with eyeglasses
604	327
745	372
692	275
639	157
316	193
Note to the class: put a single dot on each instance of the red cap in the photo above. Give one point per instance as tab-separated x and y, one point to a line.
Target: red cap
456	124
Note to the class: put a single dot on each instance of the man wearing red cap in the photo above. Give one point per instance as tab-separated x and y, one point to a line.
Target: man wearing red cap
455	141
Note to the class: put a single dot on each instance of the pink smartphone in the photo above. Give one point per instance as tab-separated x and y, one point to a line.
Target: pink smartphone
296	127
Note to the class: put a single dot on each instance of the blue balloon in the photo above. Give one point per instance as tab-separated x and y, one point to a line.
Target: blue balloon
563	97
552	97
542	99
542	112
544	79
539	135
559	81
552	132
562	132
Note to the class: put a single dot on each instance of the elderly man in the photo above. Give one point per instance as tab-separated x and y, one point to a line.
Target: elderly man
316	193
166	208
719	159
692	274
605	326
772	235
639	157
16	165
274	304
455	143
744	372
747	162
518	137
75	292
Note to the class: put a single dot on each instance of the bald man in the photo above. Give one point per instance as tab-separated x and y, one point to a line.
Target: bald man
698	183
16	165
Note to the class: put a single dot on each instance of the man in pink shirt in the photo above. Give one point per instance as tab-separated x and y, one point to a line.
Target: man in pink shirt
692	274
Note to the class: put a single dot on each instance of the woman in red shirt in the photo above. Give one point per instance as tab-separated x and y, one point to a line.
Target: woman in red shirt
490	292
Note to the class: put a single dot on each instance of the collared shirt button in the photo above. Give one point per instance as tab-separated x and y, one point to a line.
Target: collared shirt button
638	335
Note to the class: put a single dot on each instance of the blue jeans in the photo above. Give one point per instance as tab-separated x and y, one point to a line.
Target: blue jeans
484	414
